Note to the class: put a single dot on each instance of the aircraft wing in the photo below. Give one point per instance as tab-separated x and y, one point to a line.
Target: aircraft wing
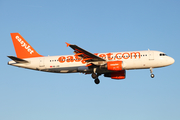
87	56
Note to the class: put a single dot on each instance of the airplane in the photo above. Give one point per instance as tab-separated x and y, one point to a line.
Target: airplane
112	64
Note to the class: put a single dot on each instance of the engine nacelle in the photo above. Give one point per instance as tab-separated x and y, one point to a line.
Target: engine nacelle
113	66
116	75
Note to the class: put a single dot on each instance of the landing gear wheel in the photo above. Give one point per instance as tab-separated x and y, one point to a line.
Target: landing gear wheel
94	76
152	75
97	81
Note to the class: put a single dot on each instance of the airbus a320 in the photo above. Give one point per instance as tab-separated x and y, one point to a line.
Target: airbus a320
113	64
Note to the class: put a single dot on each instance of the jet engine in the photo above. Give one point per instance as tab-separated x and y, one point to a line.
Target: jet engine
113	66
116	75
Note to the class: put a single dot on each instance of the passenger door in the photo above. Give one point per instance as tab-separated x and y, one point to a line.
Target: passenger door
41	62
151	55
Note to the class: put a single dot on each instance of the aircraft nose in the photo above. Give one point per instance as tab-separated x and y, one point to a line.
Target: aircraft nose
171	60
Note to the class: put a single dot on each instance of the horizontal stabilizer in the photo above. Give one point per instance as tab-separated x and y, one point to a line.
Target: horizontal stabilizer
18	60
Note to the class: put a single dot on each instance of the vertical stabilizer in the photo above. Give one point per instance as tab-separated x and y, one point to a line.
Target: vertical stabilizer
22	47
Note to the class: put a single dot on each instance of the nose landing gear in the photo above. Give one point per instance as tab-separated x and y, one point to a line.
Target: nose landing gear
152	75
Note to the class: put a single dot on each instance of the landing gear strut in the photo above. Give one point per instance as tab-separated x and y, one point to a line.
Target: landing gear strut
152	75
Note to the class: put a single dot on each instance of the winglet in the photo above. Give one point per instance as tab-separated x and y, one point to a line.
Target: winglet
67	44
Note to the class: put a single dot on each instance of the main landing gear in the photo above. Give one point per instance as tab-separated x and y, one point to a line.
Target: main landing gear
97	81
152	75
95	76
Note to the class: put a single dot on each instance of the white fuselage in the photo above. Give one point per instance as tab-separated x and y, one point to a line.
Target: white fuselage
71	63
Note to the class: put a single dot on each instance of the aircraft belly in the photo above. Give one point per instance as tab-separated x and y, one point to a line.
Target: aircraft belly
63	70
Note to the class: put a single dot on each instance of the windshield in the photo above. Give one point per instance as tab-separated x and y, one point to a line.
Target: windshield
162	54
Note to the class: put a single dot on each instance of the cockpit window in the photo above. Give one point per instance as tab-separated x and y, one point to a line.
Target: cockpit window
162	54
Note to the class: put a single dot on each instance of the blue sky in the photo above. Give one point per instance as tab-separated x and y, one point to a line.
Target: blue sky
97	26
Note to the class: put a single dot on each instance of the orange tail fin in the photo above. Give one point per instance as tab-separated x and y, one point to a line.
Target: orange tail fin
22	47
